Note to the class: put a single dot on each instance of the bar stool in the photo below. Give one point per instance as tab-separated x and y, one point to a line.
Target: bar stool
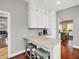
30	48
42	54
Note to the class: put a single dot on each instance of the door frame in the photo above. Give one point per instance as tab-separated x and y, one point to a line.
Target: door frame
8	15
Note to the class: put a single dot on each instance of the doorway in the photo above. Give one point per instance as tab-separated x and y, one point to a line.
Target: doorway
4	34
66	36
66	32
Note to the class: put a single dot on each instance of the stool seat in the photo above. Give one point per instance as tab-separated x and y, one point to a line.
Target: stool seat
42	53
30	46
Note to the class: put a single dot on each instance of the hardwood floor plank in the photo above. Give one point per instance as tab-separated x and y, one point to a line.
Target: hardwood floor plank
4	53
21	56
67	52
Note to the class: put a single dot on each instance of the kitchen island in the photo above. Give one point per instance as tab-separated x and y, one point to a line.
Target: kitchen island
44	42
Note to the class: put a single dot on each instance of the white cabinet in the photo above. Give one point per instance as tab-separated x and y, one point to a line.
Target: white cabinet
32	18
43	18
38	17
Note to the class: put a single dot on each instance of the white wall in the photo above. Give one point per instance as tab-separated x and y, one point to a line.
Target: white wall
52	24
57	51
53	31
72	13
19	17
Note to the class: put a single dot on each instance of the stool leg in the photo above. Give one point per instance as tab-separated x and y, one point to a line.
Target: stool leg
34	57
48	57
30	56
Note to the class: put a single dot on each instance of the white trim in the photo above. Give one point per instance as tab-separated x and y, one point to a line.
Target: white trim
15	54
4	12
26	0
74	46
9	34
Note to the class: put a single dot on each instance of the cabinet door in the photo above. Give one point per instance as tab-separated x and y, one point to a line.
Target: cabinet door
32	18
38	18
44	19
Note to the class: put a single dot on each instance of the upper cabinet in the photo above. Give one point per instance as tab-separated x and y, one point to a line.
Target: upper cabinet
38	17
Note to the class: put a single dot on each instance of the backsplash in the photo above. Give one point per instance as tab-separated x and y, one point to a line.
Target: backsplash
34	32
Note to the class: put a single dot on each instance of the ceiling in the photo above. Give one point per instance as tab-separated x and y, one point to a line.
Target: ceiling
52	4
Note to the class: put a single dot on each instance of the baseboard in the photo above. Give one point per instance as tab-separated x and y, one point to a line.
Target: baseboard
74	46
17	53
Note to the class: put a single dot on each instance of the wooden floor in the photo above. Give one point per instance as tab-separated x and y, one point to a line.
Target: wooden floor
76	53
2	42
4	53
21	56
3	48
67	52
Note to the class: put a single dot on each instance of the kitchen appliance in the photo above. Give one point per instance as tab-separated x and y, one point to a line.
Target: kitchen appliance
40	33
44	31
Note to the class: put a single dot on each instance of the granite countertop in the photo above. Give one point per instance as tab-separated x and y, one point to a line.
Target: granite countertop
43	41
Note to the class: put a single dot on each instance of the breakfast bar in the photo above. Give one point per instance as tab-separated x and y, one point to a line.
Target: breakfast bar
44	42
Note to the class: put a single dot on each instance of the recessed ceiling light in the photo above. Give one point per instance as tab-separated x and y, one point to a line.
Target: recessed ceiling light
58	2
